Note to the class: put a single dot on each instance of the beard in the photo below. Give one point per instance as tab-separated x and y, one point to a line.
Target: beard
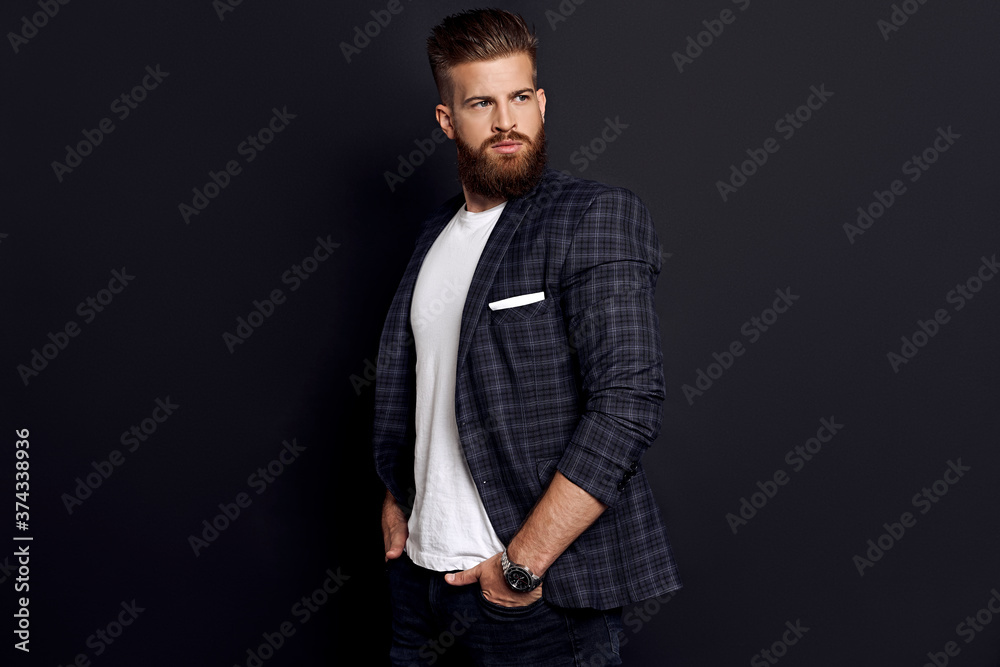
500	176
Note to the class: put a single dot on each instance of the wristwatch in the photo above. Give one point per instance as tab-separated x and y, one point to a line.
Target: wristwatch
519	577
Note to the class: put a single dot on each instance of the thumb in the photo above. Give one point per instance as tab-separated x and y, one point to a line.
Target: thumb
463	578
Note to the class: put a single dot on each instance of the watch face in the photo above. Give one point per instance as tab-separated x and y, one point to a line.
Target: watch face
518	579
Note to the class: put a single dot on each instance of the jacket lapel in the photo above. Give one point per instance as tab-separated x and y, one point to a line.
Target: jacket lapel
486	269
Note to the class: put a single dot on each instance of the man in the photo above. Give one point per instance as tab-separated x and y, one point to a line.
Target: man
519	382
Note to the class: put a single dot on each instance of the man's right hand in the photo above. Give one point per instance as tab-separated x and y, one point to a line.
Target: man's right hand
394	529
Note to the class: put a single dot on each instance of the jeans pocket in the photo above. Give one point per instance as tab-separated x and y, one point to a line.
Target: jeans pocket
510	612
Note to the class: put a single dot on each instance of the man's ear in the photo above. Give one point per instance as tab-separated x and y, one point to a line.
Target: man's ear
540	96
443	114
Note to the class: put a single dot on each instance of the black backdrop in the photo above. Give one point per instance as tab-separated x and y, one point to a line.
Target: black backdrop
861	403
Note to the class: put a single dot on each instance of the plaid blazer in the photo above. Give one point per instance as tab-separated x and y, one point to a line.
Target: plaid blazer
573	382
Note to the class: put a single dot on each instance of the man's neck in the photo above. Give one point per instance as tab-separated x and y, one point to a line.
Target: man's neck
477	203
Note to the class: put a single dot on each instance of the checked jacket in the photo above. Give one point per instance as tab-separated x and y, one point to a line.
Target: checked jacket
573	382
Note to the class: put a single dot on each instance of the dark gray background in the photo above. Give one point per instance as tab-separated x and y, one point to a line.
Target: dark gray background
324	176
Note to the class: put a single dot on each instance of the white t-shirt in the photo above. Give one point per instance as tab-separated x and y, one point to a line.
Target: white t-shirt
449	527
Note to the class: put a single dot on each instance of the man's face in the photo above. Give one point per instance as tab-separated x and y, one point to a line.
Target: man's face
496	119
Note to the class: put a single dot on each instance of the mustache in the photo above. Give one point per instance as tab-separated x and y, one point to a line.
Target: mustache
510	135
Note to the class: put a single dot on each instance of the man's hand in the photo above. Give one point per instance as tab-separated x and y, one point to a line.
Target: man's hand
489	574
394	528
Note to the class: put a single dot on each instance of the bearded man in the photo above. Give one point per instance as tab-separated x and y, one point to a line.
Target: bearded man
519	382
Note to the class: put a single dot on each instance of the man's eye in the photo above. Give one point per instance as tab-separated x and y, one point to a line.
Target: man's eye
521	98
481	102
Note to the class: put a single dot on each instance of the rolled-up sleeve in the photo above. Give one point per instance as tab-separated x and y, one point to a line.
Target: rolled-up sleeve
608	281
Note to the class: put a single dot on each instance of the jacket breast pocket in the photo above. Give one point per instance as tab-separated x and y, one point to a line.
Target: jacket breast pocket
530	365
520	313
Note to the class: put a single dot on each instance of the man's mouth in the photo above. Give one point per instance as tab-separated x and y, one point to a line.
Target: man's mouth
506	146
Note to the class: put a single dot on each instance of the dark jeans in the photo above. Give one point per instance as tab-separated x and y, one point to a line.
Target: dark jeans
435	623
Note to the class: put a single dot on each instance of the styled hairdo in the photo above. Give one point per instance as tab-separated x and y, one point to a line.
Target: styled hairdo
477	35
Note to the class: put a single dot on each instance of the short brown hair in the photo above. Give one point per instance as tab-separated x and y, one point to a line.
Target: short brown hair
477	35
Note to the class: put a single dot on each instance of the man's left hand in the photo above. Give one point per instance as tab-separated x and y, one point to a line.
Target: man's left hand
489	574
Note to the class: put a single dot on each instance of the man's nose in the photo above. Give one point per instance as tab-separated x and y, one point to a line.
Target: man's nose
504	120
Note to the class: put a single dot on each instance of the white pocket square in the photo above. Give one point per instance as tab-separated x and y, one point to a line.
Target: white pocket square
514	301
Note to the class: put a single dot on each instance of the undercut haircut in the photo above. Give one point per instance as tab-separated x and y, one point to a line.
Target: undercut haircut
474	36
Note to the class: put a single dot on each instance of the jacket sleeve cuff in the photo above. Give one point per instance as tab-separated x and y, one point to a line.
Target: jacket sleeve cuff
598	462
